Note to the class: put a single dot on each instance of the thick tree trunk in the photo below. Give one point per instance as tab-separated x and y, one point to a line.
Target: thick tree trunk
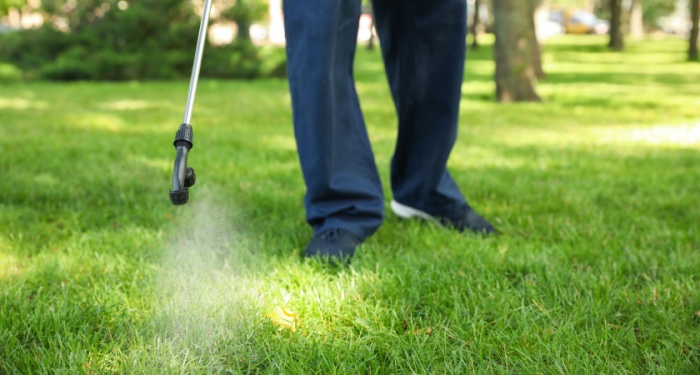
694	30
515	76
616	42
636	20
475	25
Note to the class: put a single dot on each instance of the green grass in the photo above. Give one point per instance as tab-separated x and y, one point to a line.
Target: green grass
595	191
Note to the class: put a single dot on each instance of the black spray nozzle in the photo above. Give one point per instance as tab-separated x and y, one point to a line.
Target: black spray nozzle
183	177
179	197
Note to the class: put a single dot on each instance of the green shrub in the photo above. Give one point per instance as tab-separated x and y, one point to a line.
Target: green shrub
243	60
274	62
112	66
9	73
66	70
151	39
71	65
30	49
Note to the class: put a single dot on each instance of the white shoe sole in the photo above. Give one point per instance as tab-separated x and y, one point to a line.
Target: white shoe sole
406	212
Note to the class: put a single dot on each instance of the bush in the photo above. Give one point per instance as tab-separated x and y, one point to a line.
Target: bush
274	63
243	60
9	73
151	39
72	65
112	66
31	49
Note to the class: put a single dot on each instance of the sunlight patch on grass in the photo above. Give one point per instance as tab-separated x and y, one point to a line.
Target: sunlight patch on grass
47	179
478	91
270	169
682	135
375	98
128	105
9	264
60	266
610	93
97	121
576	67
479	67
21	103
160	164
279	142
482	157
676	136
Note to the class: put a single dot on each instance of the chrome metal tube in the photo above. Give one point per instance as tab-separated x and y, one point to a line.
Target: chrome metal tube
197	61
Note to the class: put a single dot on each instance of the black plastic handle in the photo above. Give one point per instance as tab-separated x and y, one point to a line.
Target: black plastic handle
183	177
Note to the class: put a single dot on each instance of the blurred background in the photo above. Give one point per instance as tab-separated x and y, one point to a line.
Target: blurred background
154	39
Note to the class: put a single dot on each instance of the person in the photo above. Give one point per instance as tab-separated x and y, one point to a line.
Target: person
423	46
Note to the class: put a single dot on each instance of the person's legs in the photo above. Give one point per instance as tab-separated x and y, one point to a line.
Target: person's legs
343	186
423	44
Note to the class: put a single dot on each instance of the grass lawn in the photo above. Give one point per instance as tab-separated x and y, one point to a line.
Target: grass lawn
596	193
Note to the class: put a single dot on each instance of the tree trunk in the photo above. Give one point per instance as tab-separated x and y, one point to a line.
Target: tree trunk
475	25
616	42
515	76
637	20
536	48
370	9
244	31
694	30
372	36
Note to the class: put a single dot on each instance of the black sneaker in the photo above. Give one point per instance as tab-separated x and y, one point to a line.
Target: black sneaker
471	221
336	244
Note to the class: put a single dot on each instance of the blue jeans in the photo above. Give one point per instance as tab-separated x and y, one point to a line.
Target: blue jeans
423	45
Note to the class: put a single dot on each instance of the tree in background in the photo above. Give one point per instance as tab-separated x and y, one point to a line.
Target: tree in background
6	5
514	55
244	13
367	5
475	24
21	14
240	59
616	42
131	40
654	9
649	10
694	30
118	39
536	6
72	16
636	18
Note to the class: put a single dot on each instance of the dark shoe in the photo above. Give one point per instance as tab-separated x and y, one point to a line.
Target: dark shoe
336	244
471	221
